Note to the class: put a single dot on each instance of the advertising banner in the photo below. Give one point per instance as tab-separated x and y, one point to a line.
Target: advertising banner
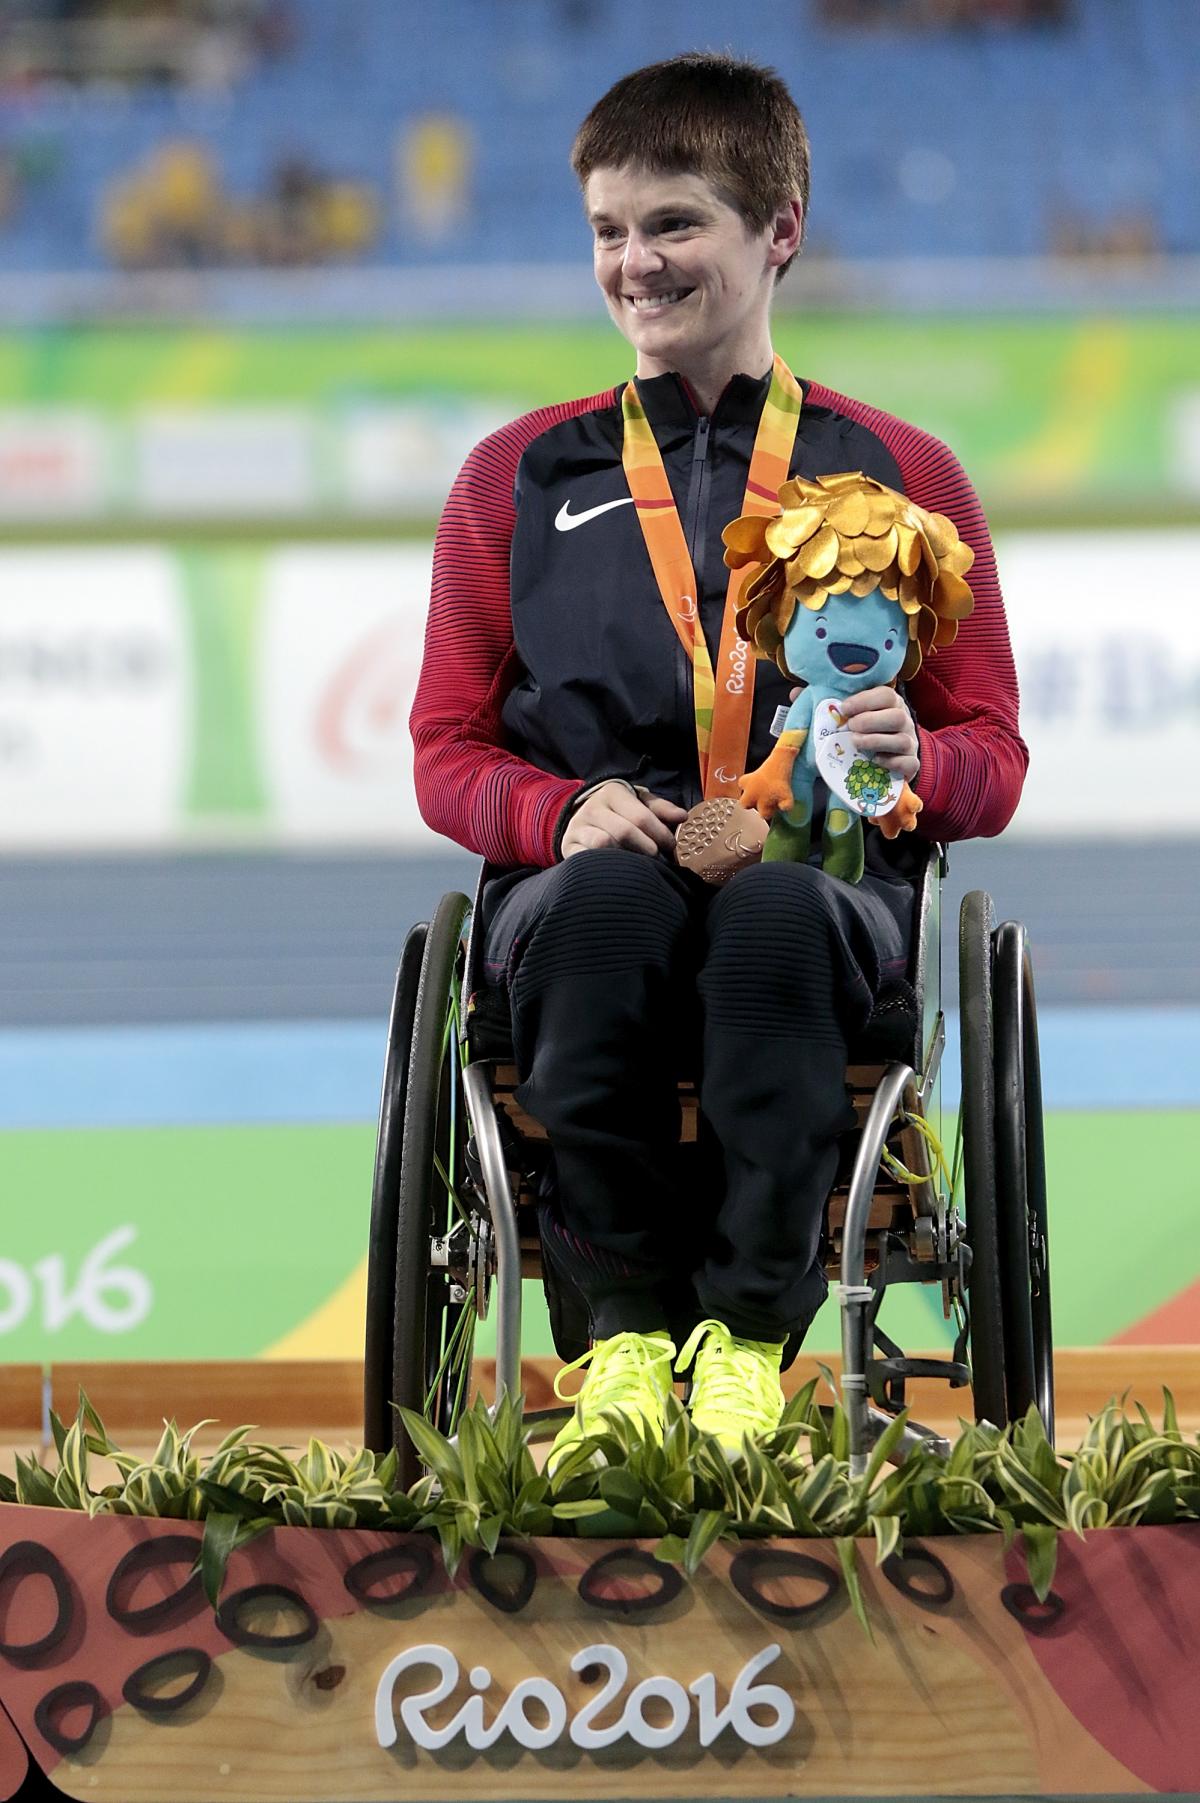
225	693
95	693
1106	635
234	462
340	639
1056	418
400	457
54	463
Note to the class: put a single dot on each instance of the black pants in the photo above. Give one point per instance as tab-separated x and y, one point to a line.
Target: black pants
625	973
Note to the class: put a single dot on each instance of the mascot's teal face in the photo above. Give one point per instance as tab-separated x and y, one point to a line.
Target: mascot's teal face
848	644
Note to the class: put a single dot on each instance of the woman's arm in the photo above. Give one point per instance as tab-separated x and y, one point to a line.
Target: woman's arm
469	786
965	698
972	756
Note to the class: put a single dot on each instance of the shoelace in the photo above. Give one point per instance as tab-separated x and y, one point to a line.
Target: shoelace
616	1363
744	1374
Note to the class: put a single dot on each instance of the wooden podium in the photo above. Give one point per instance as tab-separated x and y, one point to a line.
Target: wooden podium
347	1667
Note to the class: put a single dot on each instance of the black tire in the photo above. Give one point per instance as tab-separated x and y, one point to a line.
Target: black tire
381	1247
984	1294
1021	1182
1039	1226
426	1320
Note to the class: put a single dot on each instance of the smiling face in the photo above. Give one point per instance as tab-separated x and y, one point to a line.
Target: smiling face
848	644
686	281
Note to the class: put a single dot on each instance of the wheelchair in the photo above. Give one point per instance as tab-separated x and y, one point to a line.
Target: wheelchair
462	1176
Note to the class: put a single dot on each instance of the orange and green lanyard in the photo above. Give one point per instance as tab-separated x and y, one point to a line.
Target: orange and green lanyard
724	701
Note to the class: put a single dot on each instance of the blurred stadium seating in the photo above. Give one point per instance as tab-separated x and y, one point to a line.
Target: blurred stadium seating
992	135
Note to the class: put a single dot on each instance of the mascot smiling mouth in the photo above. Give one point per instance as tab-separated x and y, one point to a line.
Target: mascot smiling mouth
852	660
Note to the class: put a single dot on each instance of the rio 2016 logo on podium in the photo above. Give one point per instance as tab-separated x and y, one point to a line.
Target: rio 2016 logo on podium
349	1665
580	1728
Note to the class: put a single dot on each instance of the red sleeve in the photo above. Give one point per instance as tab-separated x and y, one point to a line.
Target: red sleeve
973	759
469	786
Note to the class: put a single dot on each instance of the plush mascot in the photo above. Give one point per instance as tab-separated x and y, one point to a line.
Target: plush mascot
852	585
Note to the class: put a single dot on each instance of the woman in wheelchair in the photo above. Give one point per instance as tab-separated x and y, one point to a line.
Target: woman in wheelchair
584	685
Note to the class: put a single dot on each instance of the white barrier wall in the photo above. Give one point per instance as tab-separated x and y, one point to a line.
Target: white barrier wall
163	696
1106	636
340	638
96	687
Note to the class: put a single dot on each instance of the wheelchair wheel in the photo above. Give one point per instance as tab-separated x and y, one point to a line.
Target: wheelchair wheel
1005	1171
381	1247
1021	1182
439	1234
984	1293
434	1319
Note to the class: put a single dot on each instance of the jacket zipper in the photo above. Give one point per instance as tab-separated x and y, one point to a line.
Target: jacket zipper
697	495
694	517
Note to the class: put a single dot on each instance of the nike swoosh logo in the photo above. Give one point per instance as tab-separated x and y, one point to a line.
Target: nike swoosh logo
566	521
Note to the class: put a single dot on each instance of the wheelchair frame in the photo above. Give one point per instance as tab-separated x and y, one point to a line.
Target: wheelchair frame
447	1199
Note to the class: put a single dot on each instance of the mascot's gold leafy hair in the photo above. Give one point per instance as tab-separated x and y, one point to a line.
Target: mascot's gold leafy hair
844	534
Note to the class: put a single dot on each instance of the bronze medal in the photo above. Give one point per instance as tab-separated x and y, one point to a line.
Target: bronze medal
718	838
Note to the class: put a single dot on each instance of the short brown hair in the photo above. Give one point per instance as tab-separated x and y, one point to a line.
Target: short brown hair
732	122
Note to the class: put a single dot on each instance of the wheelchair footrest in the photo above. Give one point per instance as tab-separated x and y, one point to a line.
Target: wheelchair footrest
956	1375
887	1377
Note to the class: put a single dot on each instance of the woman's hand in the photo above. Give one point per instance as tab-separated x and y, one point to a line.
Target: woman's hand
613	815
882	725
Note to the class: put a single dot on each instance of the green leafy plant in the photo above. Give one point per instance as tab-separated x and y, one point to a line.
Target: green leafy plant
241	1489
685	1491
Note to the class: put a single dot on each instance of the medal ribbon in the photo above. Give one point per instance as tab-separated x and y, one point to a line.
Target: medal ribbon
724	701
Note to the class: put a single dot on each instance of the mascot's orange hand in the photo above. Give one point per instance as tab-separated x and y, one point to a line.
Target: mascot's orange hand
903	817
769	788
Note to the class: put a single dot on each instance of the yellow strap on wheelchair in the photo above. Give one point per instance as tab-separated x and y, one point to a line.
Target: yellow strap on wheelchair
937	1155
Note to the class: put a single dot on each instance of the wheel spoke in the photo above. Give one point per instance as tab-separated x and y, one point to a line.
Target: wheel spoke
453	1197
464	1364
956	1165
461	1332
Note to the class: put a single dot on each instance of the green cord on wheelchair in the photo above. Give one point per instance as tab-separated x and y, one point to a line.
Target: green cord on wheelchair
937	1155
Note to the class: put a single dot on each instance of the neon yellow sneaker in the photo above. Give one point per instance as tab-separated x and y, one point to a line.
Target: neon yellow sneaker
735	1384
631	1374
